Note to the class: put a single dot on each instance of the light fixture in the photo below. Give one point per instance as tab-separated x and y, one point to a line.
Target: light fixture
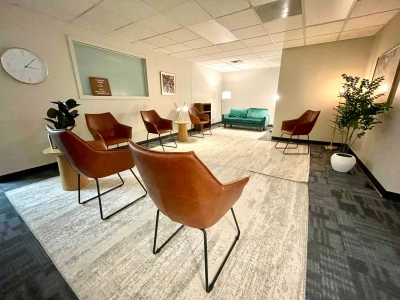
275	97
384	88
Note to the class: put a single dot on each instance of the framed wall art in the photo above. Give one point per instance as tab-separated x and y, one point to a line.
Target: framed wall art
388	66
168	85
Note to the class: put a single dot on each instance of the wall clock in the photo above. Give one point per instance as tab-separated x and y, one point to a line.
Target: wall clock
24	65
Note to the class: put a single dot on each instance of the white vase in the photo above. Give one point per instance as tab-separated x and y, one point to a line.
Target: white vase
342	162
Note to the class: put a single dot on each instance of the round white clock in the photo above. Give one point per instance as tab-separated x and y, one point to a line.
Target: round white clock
24	65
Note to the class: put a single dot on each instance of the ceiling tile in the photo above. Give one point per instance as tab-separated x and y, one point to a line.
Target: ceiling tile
261	40
212	61
240	51
279	46
160	41
274	64
228	69
263	48
213	32
177	48
249	32
133	10
48	11
324	29
198	43
293	43
179	55
72	7
254	61
353	34
322	39
325	11
229	58
159	23
181	35
163	4
188	13
272	58
223	7
369	21
260	2
145	45
136	32
290	23
268	53
232	46
221	64
202	57
91	26
287	35
247	56
192	53
120	36
162	50
210	50
244	66
238	20
367	7
278	10
220	55
102	17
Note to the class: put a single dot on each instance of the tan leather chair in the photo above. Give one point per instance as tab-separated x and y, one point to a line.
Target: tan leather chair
300	126
184	190
94	161
106	128
197	118
157	125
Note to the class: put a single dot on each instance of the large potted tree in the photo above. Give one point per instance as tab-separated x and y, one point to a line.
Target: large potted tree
355	115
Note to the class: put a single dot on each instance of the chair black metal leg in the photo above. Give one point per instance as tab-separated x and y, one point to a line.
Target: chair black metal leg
278	142
147	146
198	132
155	236
100	194
287	144
162	145
176	146
308	147
159	137
210	287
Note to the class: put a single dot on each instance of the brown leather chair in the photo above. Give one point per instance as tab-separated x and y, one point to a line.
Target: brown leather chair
187	192
299	126
93	161
197	118
157	125
106	128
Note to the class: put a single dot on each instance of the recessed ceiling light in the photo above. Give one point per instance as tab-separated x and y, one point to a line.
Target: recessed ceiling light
214	32
278	10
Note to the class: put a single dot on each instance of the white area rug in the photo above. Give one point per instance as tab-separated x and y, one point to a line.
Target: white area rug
113	259
249	133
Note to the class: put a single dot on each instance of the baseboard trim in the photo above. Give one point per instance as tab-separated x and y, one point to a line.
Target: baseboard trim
275	138
16	175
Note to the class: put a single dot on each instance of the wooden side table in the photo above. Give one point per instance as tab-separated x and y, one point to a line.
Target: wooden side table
182	131
69	177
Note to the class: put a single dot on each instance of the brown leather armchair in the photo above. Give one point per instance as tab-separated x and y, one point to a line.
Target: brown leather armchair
106	128
197	118
157	125
91	160
196	199
300	126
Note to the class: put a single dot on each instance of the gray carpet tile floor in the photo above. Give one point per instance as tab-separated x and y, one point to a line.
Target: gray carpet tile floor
353	240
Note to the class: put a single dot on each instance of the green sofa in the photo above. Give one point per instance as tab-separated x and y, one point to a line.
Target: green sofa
252	117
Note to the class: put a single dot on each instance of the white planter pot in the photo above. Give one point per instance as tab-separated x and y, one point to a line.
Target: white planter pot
342	162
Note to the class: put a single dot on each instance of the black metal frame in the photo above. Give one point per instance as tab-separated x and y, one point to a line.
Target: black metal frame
202	129
210	287
161	143
297	144
100	194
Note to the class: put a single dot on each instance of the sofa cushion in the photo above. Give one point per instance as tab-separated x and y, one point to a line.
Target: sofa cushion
257	113
238	112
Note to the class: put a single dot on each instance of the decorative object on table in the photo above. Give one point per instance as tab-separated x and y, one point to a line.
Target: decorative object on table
355	116
331	147
167	84
106	128
179	109
100	86
197	200
24	65
300	126
388	66
226	95
157	125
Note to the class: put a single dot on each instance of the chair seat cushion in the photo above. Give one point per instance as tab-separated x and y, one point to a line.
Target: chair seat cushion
114	140
289	132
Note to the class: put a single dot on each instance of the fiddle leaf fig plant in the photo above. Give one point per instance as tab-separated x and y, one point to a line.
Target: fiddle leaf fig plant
62	118
358	112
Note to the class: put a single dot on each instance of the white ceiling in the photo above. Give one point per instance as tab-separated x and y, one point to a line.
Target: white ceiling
215	32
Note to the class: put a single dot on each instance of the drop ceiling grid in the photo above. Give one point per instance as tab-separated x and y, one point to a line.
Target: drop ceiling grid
162	25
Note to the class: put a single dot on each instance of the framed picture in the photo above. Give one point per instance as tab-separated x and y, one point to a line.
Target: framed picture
388	65
167	84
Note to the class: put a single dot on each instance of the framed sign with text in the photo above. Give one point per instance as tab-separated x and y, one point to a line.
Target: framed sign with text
100	86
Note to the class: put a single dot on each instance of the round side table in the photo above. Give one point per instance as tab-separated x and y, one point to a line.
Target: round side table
182	131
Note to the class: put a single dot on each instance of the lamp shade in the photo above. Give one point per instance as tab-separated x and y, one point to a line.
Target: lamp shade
177	107
226	95
184	107
275	97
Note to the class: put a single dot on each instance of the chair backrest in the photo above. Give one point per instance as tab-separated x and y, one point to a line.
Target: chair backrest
180	185
103	123
194	115
307	121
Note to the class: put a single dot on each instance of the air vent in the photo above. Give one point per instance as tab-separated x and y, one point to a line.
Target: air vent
237	61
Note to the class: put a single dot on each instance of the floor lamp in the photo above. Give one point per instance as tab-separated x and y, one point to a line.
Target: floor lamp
225	95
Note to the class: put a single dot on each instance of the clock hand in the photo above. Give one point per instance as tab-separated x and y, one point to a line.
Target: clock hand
32	68
30	62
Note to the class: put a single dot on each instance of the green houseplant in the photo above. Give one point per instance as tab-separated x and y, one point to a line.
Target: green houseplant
63	118
356	115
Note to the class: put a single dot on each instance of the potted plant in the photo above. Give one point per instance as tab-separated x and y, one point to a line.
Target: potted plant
62	118
355	116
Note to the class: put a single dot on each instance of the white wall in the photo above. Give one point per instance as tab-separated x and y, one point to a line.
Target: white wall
23	106
310	78
253	88
379	148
